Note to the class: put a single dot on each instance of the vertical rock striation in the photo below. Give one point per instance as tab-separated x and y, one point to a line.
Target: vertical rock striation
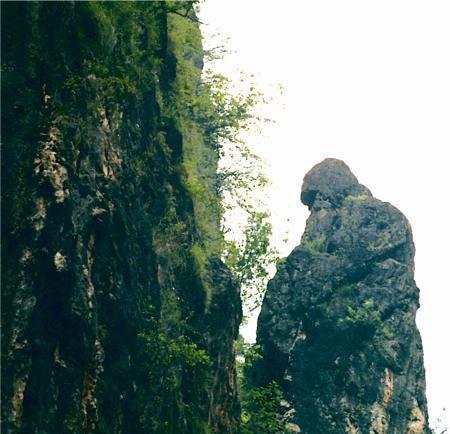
337	327
118	316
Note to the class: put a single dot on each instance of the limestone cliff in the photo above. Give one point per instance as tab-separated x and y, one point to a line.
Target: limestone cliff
118	315
337	326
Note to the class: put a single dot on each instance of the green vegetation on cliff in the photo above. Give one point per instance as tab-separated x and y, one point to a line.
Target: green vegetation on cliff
118	313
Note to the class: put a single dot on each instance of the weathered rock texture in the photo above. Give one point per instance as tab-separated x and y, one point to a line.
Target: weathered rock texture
118	316
337	326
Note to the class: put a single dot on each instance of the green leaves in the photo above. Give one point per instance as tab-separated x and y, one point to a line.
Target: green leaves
359	198
315	246
170	361
366	314
222	113
261	409
260	412
250	257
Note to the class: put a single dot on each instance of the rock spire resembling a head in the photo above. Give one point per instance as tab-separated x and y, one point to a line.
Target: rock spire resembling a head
330	181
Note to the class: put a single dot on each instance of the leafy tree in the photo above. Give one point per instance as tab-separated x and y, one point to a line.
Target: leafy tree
261	406
225	117
251	257
169	357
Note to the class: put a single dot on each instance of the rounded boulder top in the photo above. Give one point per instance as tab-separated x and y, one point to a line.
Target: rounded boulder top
331	181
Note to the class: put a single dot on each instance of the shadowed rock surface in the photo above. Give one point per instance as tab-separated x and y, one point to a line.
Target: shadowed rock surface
337	326
117	314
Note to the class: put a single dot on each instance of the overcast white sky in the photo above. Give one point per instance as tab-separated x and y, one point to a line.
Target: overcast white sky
369	83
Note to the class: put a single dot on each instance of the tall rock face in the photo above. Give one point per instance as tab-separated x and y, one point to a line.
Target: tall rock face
118	315
337	327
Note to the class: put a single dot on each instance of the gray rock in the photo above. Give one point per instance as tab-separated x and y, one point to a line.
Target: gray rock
337	325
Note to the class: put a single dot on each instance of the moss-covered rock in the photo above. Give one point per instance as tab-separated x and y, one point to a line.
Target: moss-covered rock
118	315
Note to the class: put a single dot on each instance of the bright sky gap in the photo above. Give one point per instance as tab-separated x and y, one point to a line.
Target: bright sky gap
367	83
